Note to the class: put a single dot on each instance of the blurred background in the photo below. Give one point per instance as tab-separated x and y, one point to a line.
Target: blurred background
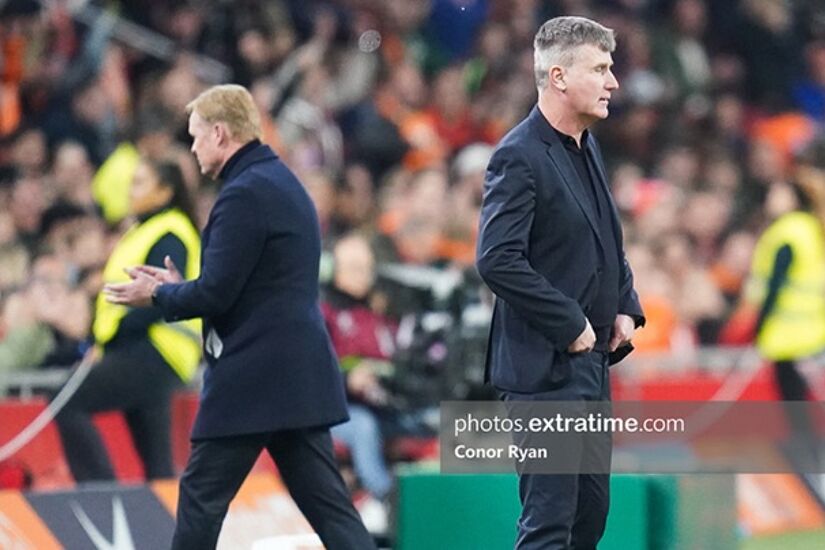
388	112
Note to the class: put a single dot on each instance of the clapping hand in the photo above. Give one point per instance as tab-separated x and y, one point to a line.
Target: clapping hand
145	280
168	275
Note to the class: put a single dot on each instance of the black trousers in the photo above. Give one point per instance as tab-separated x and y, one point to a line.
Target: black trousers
792	386
135	379
217	468
567	511
804	444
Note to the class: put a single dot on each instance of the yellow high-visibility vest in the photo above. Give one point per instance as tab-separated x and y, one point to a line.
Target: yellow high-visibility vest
795	328
113	180
178	343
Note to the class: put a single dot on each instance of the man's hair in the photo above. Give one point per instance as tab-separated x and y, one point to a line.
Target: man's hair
557	39
231	104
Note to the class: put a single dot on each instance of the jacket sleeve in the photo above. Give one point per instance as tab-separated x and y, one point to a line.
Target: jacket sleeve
779	276
507	214
628	298
236	240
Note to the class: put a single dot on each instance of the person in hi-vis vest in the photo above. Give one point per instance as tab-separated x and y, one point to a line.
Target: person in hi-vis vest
140	359
787	286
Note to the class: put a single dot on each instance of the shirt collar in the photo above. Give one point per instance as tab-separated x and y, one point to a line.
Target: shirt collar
569	142
233	160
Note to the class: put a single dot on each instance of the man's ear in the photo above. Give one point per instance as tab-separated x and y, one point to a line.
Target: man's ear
557	78
221	133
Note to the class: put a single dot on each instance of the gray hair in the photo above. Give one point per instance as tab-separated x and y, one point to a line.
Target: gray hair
557	39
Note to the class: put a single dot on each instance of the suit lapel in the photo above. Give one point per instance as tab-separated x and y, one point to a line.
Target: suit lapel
556	152
595	161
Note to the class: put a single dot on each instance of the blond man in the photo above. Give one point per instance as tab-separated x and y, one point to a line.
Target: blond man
272	380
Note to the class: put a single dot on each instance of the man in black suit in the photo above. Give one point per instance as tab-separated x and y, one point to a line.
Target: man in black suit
272	381
550	248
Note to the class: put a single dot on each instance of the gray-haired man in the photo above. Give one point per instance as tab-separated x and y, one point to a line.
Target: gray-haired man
550	248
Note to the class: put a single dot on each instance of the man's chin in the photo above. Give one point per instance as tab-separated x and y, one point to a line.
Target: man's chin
209	173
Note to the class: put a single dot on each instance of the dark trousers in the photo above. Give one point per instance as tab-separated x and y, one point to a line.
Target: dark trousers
305	460
134	379
804	445
567	511
792	386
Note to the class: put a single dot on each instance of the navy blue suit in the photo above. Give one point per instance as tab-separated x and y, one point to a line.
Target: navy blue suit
541	252
271	365
272	380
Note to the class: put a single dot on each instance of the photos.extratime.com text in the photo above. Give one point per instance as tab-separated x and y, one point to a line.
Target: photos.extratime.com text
588	423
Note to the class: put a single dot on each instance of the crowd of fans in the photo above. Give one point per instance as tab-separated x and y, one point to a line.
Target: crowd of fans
388	112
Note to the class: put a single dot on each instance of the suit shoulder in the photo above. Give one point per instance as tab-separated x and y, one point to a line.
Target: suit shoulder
519	143
272	183
255	180
517	135
273	171
237	195
515	147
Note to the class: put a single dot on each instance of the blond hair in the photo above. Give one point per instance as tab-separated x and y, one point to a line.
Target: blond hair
231	104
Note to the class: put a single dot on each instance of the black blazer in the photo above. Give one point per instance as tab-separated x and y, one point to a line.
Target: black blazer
271	365
539	251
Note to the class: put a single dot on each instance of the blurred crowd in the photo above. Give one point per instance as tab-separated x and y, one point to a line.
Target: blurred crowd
388	112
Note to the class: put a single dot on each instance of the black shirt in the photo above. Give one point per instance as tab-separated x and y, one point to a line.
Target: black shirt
578	158
605	305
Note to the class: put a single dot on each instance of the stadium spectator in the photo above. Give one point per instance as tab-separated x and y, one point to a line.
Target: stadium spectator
110	186
355	201
72	173
139	360
787	286
809	93
46	323
364	340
